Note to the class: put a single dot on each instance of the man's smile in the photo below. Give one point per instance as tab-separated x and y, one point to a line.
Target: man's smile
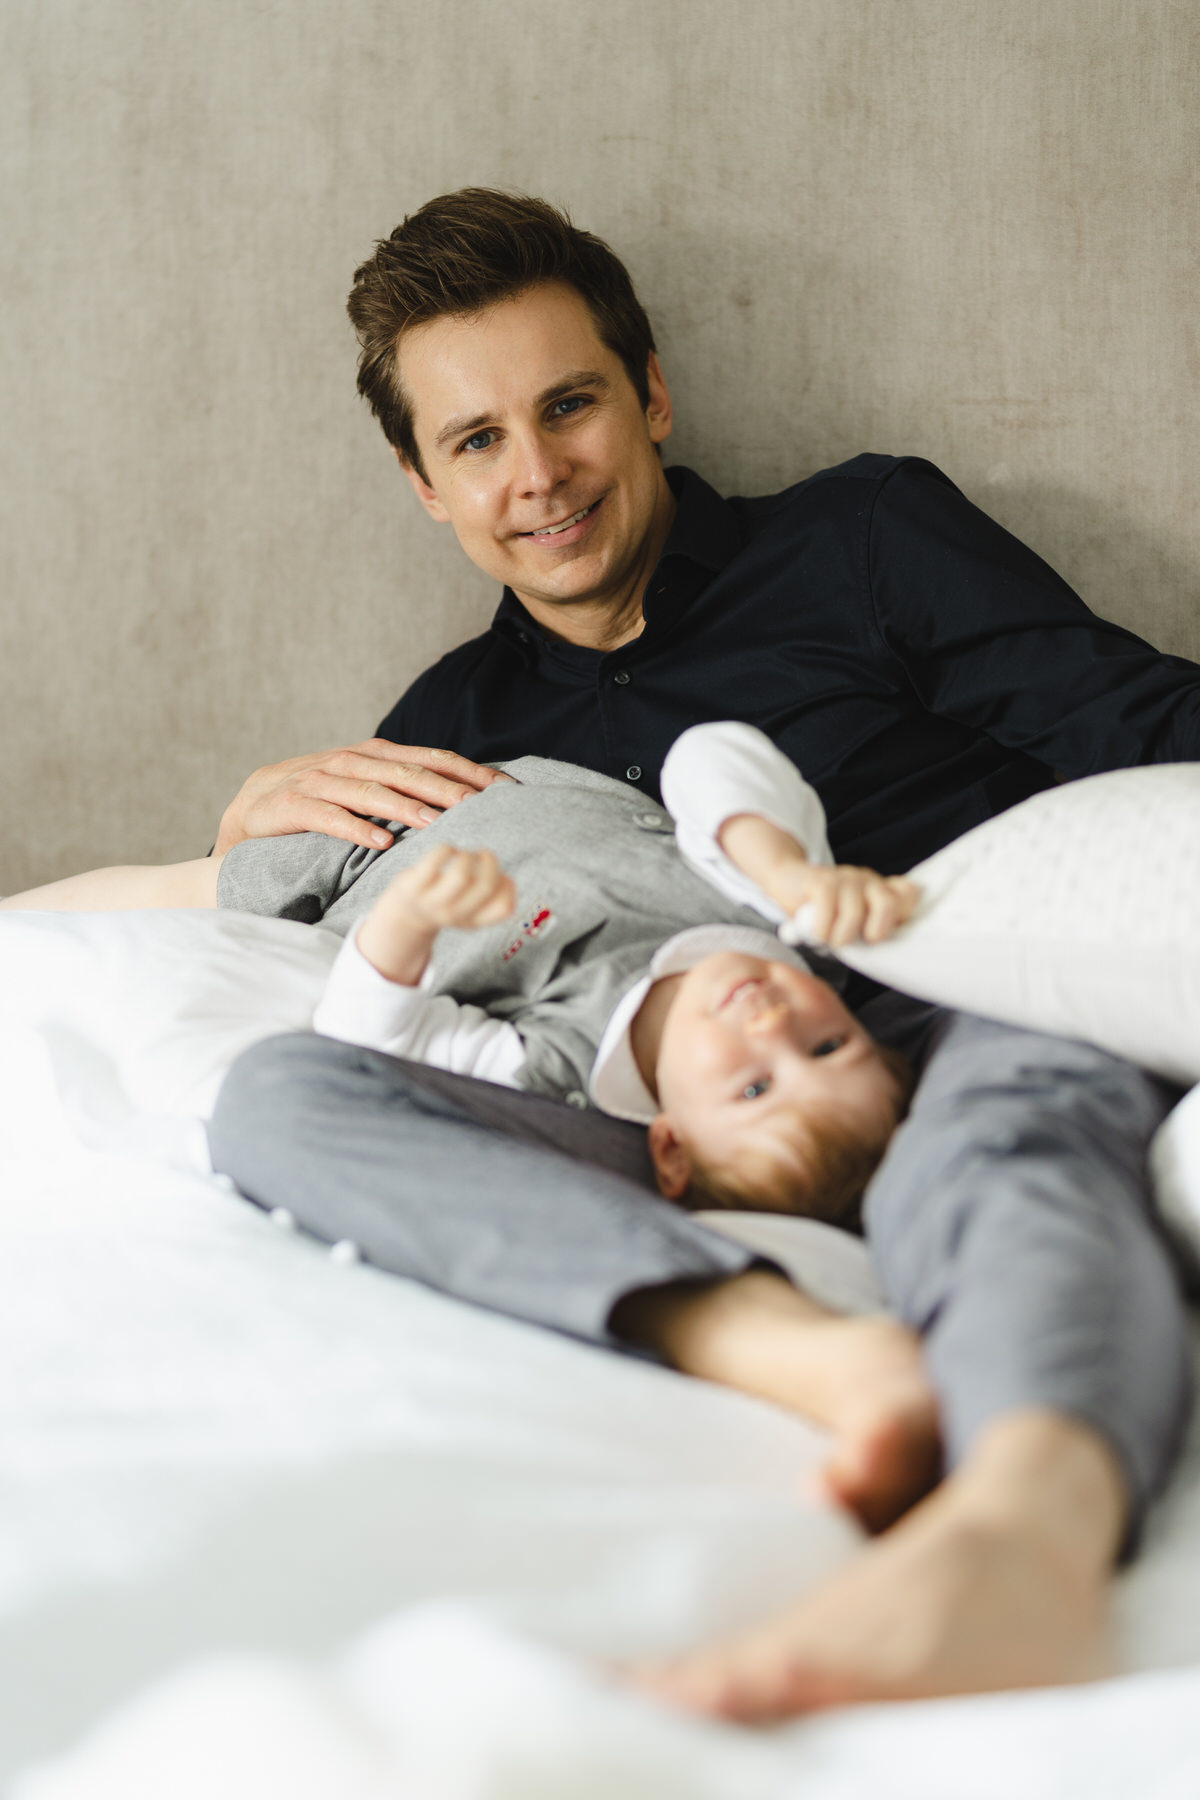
566	531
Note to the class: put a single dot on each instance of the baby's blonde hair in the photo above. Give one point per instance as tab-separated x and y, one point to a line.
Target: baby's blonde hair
835	1157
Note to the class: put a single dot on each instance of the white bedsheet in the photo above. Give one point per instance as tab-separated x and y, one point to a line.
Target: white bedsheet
275	1527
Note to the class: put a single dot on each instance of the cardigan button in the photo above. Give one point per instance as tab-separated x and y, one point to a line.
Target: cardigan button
576	1098
621	678
633	772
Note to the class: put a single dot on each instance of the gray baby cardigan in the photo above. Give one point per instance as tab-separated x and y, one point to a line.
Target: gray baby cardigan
600	886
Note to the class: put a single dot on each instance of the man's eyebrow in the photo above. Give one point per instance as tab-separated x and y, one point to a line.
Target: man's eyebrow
576	379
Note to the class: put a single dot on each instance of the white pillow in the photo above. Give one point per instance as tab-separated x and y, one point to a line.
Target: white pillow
114	1015
1074	913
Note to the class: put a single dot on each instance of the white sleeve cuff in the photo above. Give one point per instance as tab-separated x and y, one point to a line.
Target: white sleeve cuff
361	1006
712	773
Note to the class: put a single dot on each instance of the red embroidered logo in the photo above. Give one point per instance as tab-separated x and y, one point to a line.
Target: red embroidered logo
530	928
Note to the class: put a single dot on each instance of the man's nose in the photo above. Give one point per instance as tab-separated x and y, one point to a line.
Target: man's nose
542	465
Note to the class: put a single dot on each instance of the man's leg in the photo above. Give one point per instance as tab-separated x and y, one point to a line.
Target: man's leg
1010	1225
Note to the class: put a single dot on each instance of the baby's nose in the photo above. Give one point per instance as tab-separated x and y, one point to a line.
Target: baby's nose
768	1014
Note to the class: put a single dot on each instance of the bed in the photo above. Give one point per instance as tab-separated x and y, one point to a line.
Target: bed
279	1523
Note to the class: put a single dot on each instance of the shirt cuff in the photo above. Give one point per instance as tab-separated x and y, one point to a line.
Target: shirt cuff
363	1006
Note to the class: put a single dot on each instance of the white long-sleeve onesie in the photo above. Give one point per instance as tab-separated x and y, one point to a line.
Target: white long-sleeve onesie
711	773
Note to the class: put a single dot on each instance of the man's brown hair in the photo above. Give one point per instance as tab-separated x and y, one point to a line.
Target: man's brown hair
469	250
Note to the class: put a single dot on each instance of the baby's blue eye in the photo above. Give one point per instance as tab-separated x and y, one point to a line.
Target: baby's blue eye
756	1088
829	1046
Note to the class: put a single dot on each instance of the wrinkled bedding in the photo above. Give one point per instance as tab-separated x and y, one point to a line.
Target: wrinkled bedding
274	1525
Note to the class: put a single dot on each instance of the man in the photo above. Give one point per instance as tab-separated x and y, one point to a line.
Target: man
924	671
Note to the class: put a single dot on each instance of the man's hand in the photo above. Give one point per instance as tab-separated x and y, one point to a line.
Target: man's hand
845	903
338	792
465	889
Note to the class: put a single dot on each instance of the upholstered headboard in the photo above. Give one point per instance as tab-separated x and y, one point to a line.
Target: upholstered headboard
953	228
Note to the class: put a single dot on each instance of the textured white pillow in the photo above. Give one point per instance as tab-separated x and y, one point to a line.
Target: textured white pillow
1075	913
113	1015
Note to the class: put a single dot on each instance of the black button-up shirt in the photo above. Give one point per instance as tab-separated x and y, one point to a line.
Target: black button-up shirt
920	666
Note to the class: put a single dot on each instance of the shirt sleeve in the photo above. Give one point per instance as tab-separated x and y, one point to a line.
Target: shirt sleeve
989	635
714	772
361	1006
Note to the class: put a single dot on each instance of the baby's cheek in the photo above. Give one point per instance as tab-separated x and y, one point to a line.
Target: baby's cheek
699	1062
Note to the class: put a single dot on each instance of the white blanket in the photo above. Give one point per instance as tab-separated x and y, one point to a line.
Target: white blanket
275	1527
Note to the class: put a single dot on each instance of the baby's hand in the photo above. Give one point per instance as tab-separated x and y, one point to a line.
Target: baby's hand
843	904
466	889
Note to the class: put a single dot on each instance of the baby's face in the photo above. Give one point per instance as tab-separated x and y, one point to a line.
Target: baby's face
751	1048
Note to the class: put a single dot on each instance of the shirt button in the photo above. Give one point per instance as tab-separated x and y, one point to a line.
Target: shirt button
622	677
522	637
345	1253
576	1098
633	772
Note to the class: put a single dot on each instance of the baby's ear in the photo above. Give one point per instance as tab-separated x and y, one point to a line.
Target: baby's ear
672	1164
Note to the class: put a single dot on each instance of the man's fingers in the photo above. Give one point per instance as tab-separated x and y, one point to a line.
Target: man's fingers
308	813
409	783
445	763
367	785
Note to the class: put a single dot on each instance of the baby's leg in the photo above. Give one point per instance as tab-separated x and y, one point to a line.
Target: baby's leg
863	1378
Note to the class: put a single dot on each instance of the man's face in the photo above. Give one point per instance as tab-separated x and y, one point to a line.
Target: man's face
525	421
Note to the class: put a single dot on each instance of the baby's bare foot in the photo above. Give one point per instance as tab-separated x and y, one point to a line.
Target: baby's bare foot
877	1400
862	1378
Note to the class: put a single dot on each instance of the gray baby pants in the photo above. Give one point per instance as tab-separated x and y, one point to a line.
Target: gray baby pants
1009	1221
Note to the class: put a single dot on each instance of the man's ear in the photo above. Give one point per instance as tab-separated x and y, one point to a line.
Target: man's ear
422	490
672	1164
658	405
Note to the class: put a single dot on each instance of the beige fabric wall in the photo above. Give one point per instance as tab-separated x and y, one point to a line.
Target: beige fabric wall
964	228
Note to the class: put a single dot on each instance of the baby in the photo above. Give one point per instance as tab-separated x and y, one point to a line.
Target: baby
759	1087
637	969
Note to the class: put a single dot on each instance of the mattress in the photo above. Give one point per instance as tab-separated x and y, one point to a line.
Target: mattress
275	1524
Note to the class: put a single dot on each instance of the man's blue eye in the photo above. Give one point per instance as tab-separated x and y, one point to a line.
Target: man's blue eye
829	1046
756	1088
473	442
574	403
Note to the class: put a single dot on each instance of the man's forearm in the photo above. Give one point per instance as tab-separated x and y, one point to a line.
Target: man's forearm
187	884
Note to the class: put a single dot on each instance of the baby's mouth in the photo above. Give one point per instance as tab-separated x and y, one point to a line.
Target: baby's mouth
739	990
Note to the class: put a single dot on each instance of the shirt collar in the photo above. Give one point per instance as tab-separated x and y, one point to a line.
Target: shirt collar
704	534
705	527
